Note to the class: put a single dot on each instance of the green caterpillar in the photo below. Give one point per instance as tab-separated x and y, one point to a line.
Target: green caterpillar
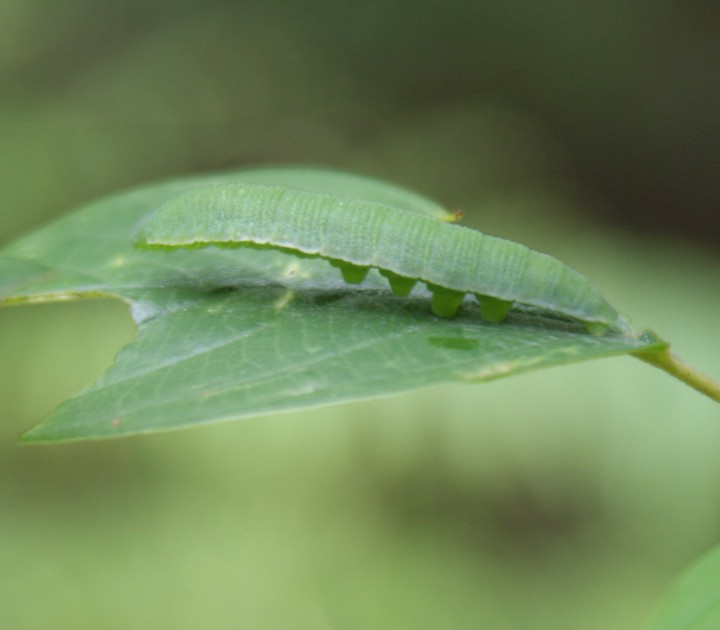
407	243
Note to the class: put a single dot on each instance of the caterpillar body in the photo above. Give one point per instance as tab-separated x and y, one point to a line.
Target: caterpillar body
408	244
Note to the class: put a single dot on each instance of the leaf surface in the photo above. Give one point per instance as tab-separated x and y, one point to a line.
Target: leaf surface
693	603
226	334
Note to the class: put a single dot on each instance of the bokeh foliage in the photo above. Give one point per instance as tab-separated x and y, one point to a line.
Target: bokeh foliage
564	499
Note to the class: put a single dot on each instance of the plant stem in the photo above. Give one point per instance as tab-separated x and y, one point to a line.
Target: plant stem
667	361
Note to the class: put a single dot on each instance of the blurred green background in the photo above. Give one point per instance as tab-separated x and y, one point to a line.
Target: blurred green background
561	499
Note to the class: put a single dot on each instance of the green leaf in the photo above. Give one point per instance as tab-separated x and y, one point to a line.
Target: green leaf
227	334
693	603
